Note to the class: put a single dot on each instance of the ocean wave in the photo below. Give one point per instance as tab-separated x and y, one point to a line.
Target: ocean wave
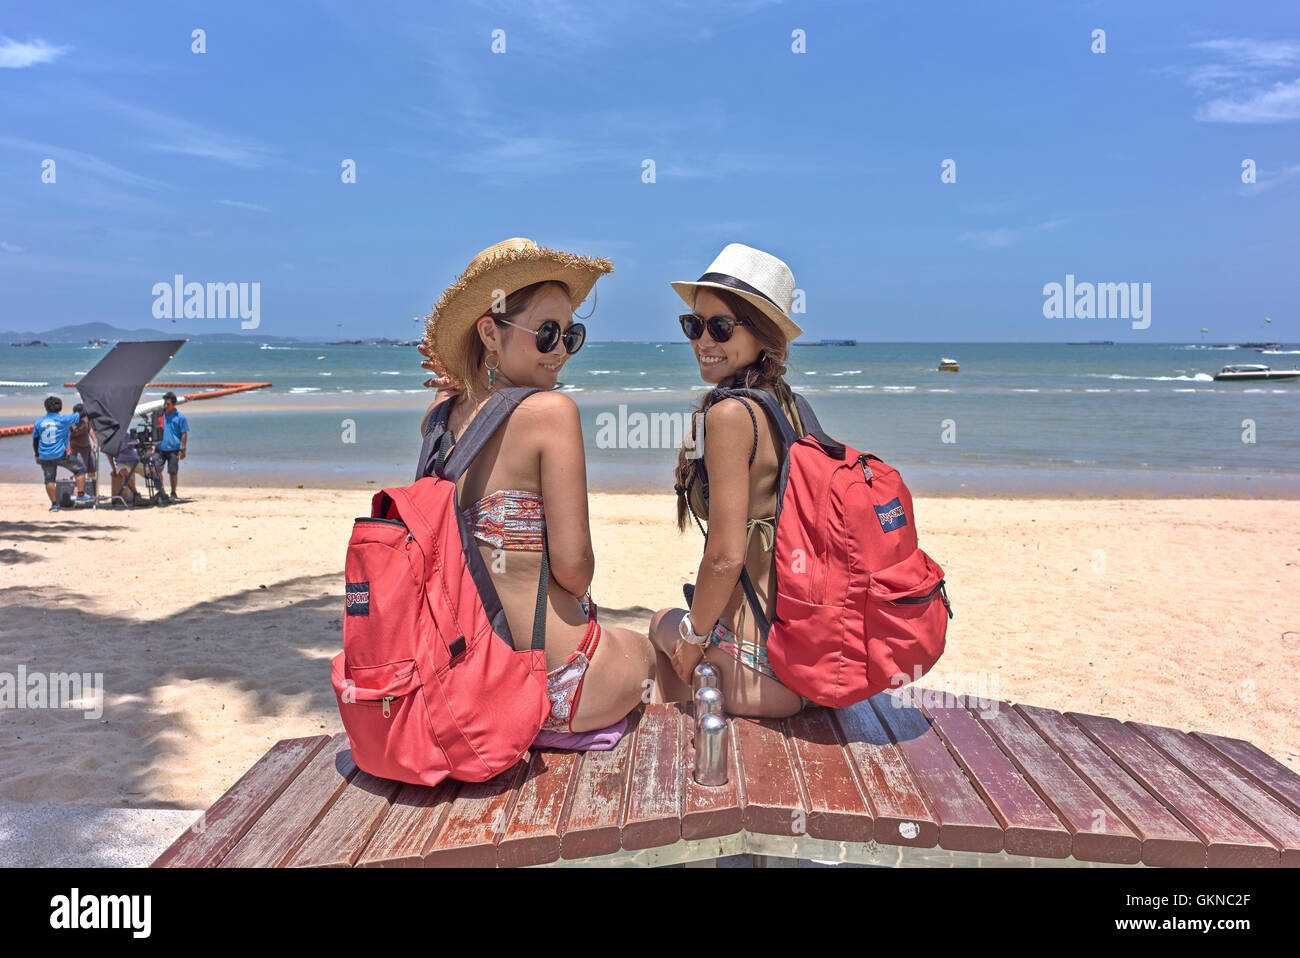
1198	378
267	346
602	372
305	389
388	372
196	372
849	372
1279	352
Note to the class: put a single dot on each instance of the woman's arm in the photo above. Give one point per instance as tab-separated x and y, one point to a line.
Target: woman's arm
553	418
728	437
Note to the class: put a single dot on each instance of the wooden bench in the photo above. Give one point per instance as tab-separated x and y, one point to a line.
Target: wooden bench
874	783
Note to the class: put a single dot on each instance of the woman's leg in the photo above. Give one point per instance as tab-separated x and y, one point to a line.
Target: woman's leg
663	636
745	691
619	678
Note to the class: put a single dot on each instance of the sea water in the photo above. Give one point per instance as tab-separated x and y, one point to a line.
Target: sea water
1018	418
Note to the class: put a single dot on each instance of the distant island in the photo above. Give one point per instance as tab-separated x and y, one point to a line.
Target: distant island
97	334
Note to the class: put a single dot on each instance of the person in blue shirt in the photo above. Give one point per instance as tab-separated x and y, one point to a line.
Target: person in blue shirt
50	443
176	430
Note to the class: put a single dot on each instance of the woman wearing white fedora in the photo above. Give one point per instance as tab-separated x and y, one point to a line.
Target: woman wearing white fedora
739	328
508	321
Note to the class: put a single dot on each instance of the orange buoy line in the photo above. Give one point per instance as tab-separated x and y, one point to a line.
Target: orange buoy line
225	389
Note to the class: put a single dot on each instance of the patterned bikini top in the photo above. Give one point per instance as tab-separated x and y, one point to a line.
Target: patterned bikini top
509	519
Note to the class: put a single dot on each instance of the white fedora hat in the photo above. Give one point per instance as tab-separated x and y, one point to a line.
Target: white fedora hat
756	277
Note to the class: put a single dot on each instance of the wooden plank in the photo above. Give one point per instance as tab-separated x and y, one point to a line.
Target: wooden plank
1029	826
1095	837
1229	841
206	841
474	823
593	824
965	823
709	811
1262	768
339	837
773	801
837	809
282	827
410	829
532	834
1166	841
652	815
1217	775
896	801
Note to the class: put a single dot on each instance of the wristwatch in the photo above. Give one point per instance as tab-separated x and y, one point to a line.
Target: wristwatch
686	628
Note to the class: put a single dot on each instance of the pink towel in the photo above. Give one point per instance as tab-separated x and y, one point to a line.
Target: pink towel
594	741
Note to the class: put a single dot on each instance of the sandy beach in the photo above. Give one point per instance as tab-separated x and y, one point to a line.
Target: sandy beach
213	622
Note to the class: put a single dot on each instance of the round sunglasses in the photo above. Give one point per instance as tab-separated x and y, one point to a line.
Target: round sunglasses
549	335
720	327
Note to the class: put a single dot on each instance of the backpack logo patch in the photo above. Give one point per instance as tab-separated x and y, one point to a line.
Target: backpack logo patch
891	515
357	599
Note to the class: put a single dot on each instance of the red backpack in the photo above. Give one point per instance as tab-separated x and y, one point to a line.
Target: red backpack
429	684
856	609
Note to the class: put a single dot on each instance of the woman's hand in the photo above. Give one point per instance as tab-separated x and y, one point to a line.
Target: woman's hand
439	380
686	655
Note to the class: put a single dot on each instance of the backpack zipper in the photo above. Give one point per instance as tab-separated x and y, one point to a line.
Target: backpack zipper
387	699
866	470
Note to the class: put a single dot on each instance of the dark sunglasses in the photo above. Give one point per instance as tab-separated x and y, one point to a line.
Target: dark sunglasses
549	335
720	327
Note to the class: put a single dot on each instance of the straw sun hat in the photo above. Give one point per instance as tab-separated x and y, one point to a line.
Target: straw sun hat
503	268
758	278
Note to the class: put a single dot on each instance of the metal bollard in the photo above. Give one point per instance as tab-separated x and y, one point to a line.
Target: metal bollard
706	676
708	701
711	750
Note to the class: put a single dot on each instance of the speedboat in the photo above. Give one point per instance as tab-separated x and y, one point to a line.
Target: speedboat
947	365
1253	371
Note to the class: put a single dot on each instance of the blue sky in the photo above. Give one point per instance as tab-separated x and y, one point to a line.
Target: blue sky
1123	166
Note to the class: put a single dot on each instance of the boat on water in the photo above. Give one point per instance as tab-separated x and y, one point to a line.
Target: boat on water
1254	371
947	365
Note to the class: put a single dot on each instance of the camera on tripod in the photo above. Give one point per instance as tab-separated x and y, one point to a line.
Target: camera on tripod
146	432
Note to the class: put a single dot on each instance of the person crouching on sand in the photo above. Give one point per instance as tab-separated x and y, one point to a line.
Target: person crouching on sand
739	328
508	321
50	438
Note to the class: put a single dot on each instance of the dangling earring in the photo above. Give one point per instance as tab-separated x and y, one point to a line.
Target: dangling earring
492	371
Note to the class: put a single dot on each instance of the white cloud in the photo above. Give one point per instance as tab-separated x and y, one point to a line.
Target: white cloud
1249	81
1004	236
1275	105
172	134
240	204
8	247
18	55
1267	179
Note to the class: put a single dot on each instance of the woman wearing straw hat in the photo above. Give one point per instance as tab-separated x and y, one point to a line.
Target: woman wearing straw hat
739	327
507	321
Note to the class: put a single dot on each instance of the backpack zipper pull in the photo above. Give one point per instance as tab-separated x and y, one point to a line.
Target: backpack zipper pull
387	699
866	470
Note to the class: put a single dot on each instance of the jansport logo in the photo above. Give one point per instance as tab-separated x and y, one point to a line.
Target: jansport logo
891	515
357	600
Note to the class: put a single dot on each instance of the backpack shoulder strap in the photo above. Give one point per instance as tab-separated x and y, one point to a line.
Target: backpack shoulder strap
448	456
435	431
769	403
813	428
